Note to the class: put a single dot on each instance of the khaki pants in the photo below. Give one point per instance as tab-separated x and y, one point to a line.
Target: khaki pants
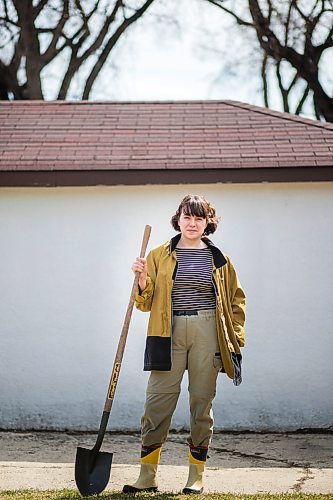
195	347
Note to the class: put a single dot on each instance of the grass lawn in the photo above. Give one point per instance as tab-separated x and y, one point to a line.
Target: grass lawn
74	495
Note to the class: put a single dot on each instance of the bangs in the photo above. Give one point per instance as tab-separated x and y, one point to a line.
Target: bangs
194	207
197	206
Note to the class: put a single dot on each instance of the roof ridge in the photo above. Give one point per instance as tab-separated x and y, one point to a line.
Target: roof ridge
279	114
228	102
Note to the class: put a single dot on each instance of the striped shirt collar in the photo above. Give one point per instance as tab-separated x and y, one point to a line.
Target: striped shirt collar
218	257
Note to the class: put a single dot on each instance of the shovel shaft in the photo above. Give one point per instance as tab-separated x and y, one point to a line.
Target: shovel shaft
92	467
123	336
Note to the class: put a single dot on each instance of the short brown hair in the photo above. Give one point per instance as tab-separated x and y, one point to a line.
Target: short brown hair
197	205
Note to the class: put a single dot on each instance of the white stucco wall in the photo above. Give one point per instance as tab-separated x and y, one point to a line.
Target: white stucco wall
65	279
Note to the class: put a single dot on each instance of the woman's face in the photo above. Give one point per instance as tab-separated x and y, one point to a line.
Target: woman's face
192	226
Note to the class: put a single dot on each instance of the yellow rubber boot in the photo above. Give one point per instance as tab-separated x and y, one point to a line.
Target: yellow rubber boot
197	457
150	458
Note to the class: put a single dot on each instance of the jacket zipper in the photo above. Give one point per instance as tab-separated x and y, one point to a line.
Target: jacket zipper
174	274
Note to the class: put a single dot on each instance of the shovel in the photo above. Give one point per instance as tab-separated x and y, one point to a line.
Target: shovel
93	467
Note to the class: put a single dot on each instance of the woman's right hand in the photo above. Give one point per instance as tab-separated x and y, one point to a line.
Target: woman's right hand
140	266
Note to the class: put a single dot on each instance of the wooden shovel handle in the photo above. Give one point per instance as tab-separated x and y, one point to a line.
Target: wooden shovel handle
124	331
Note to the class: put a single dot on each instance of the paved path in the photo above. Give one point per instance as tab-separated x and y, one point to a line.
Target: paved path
239	463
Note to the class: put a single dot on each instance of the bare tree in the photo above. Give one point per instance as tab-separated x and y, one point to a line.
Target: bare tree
293	36
33	33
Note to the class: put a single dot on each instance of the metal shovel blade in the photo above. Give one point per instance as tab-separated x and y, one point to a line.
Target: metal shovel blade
92	480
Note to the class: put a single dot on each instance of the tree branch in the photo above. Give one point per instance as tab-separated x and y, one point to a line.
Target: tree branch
8	82
76	61
306	61
110	44
315	106
71	70
9	21
328	43
102	34
84	30
264	79
310	26
284	92
38	9
30	42
302	101
286	35
303	16
239	20
269	41
293	82
51	52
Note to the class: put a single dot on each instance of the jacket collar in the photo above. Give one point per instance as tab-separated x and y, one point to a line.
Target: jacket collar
218	257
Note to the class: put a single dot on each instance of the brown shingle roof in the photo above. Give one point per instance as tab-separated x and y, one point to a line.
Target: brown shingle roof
120	138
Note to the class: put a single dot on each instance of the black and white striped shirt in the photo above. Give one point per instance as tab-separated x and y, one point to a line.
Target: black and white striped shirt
193	286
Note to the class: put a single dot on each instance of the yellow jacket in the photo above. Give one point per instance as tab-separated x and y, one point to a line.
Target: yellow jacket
156	298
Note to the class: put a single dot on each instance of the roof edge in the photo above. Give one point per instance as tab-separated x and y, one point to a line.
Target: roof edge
280	114
75	178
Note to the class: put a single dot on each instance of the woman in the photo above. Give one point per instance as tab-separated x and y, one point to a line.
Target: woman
197	315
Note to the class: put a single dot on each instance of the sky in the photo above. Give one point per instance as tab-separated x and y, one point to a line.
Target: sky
190	58
201	55
165	62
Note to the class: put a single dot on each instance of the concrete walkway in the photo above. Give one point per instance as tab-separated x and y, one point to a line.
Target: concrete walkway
238	463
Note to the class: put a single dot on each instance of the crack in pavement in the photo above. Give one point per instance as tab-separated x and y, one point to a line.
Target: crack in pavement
288	463
243	455
297	487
